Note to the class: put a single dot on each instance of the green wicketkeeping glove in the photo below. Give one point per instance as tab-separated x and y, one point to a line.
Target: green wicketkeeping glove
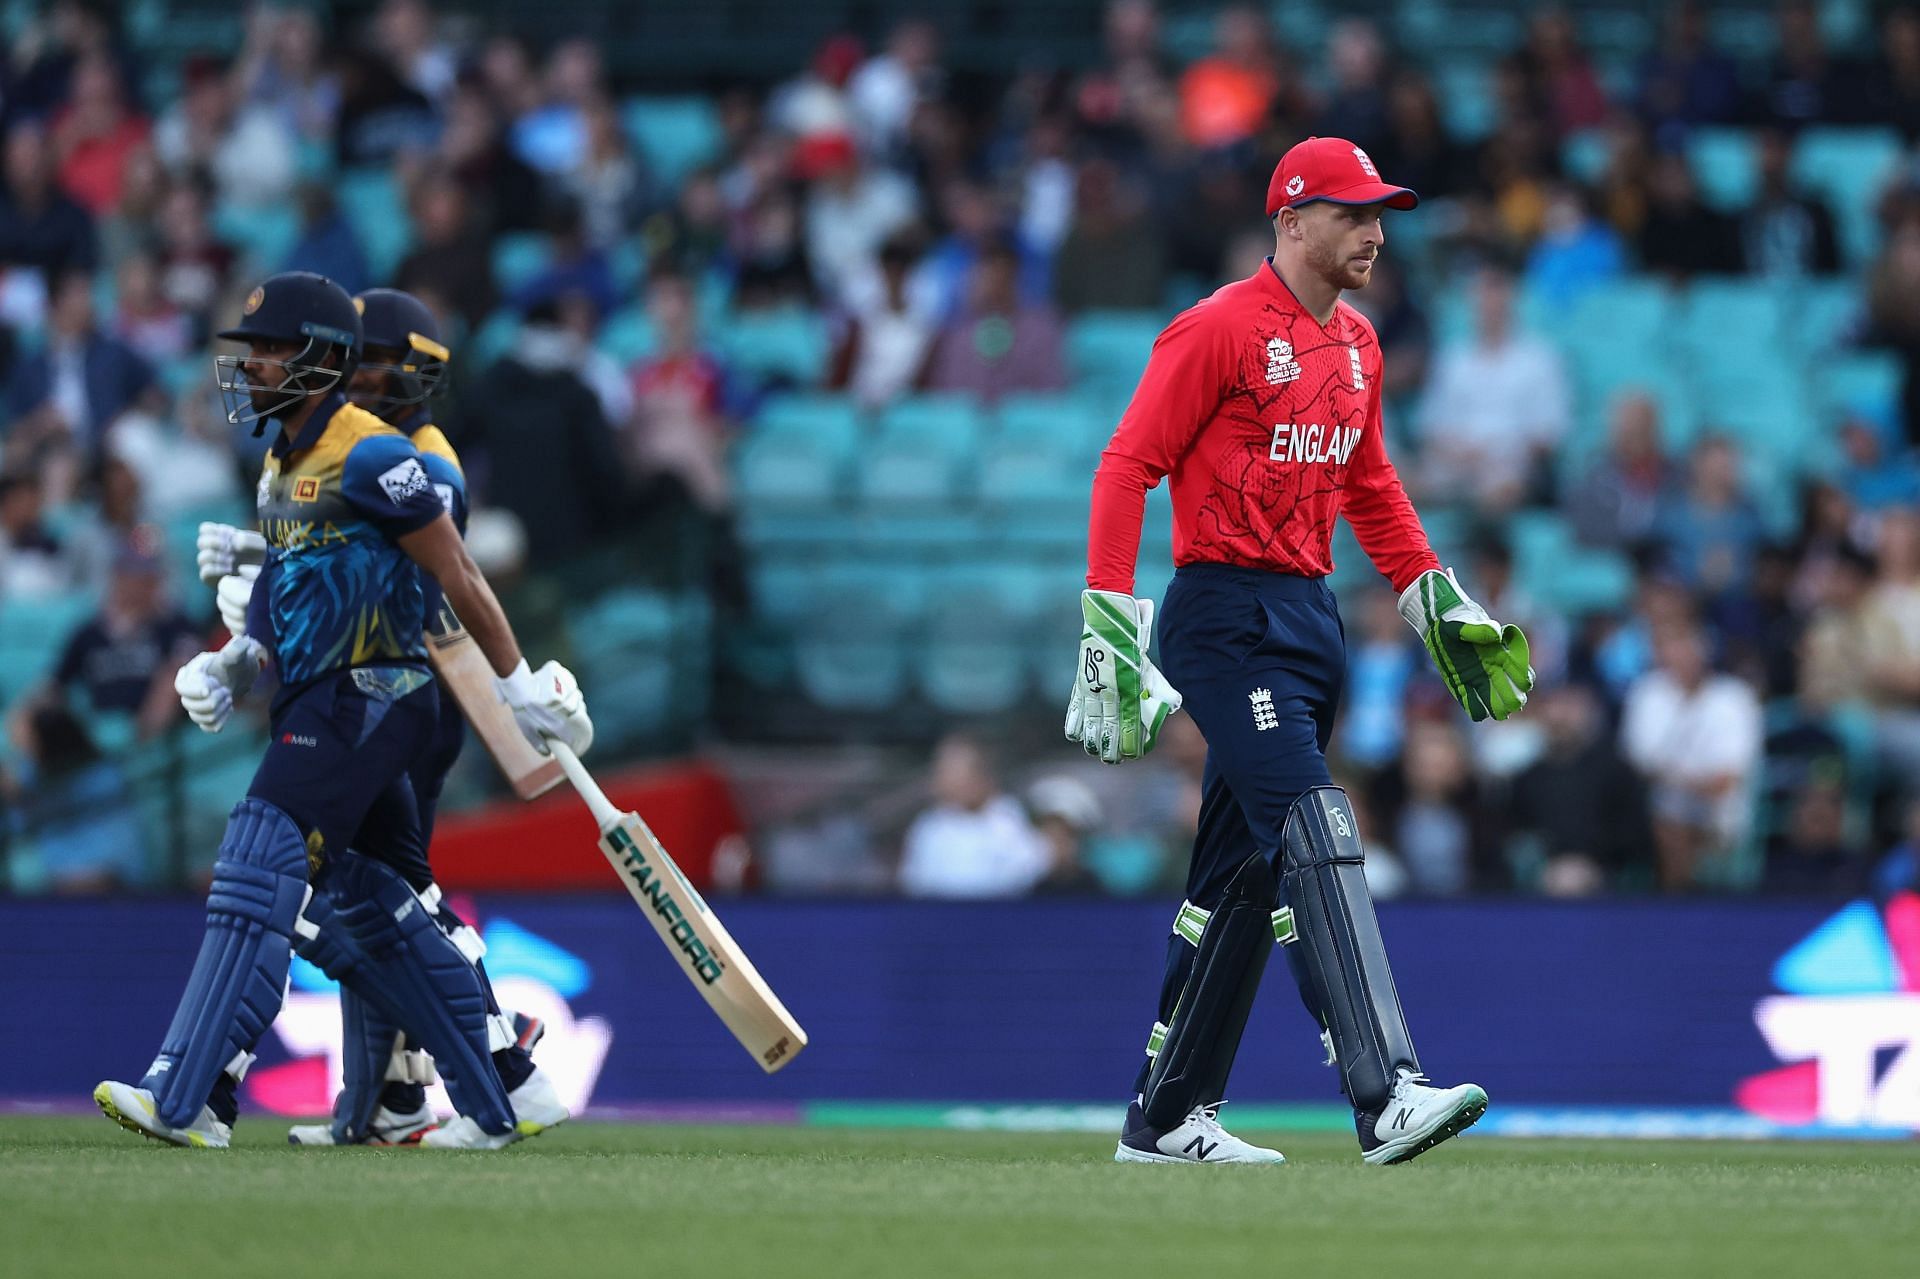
1119	699
1487	667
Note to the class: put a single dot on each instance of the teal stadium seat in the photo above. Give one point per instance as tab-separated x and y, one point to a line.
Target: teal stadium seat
628	335
850	649
833	419
264	235
1867	382
1108	350
1726	167
676	135
373	203
1079	422
1850	167
1018	473
790	469
519	256
624	642
973	658
780	346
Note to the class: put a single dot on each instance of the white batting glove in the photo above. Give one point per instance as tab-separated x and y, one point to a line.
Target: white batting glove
210	683
221	549
547	703
1120	699
233	594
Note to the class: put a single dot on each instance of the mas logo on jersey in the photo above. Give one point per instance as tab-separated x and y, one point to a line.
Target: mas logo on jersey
1281	366
1848	1026
531	974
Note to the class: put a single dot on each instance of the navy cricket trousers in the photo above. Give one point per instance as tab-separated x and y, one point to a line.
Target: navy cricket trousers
1260	662
338	758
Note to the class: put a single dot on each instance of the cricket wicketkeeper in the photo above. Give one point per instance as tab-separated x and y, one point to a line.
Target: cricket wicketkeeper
1263	405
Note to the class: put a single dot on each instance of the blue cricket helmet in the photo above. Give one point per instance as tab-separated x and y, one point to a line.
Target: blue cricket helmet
292	307
401	333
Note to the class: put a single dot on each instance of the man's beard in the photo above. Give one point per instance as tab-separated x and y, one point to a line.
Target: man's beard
1336	270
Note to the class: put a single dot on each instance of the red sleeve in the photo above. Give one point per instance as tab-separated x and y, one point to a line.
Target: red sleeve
1185	378
1376	506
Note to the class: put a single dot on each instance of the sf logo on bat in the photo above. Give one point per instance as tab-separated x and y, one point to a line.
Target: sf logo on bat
653	886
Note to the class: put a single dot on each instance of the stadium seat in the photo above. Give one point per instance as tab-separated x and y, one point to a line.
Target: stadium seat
372	201
264	235
973	658
1868	382
784	346
1726	167
1824	313
832	419
789	469
1017	472
628	335
519	256
1716	315
1850	167
1079	421
850	648
676	135
1109	349
1466	98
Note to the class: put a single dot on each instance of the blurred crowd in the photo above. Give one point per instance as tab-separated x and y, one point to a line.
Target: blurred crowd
1752	719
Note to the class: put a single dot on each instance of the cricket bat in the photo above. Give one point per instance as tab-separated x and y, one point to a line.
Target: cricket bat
464	672
709	956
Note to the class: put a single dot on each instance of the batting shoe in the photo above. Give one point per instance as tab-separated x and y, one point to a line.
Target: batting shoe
386	1128
536	1108
1417	1118
1199	1139
132	1108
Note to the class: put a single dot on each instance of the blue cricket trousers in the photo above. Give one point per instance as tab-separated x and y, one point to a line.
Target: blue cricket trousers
1260	662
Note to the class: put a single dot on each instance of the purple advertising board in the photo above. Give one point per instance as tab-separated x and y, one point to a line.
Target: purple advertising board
1795	1013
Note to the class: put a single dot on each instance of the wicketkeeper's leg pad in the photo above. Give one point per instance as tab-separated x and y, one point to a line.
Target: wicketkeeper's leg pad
417	972
240	976
1196	1050
1340	943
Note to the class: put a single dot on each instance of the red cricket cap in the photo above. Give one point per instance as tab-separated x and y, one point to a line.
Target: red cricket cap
1335	170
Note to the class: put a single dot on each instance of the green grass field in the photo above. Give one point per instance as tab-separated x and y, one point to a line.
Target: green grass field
79	1197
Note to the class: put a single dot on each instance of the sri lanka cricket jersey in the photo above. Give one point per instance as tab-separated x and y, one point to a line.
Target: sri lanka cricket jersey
1268	424
332	504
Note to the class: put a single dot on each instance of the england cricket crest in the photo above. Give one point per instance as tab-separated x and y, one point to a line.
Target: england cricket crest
1281	366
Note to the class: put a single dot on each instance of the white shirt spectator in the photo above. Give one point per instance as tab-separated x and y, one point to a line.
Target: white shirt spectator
991	851
845	227
1675	736
1490	406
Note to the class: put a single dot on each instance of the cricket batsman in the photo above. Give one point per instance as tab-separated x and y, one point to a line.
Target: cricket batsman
352	519
384	1100
1262	403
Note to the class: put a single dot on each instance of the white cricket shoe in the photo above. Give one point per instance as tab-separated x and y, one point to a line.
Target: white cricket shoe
1199	1139
1417	1118
386	1128
132	1108
536	1108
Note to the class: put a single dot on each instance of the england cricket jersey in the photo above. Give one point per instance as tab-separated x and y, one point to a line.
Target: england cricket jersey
1267	425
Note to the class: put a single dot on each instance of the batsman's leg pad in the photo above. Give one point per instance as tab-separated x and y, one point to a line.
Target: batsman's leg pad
240	976
424	978
1340	944
1197	1050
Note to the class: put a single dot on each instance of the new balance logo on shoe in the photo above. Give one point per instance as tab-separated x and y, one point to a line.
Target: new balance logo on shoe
1400	1120
1202	1146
